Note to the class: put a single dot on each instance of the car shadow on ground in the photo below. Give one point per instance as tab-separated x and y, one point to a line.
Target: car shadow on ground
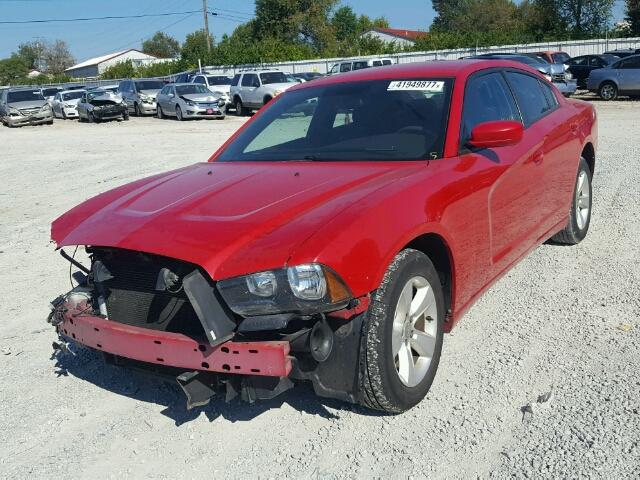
89	365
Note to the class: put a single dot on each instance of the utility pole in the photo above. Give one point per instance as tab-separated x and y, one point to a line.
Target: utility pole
206	25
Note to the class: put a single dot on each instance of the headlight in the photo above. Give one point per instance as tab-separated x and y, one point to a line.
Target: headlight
568	76
190	103
548	77
222	102
45	107
277	92
14	111
304	289
69	105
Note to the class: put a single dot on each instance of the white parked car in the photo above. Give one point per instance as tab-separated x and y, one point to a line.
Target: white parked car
252	89
349	65
65	103
219	85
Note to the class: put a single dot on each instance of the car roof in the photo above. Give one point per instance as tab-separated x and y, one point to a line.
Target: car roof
71	91
24	89
433	69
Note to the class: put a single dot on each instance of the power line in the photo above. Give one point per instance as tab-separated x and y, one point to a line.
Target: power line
112	17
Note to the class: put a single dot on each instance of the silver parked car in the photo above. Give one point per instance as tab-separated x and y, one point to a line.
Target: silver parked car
24	106
619	78
65	104
140	95
189	100
97	105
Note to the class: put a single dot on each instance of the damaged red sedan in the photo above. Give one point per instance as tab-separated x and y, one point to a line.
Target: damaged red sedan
335	237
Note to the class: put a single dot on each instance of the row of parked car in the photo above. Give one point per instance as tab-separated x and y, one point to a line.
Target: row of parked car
611	74
200	94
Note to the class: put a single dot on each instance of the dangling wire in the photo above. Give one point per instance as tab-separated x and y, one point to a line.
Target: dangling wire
71	265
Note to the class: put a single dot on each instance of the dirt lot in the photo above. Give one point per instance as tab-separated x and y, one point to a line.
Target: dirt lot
565	321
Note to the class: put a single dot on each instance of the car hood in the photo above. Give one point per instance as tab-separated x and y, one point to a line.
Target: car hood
556	68
73	101
200	97
151	93
27	104
281	86
229	218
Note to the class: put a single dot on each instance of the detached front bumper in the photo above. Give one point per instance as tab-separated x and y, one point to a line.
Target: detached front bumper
70	112
268	358
567	88
109	112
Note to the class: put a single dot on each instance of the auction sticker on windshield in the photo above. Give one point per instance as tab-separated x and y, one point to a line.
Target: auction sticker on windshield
420	85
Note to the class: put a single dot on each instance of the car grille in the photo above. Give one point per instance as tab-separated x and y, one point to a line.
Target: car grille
29	111
132	298
558	77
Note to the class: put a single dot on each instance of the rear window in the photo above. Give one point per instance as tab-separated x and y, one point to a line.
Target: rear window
341	122
149	85
560	57
24	96
50	92
72	95
219	80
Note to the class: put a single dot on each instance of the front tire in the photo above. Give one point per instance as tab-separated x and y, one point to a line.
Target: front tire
179	113
159	112
608	91
136	109
580	212
402	338
239	108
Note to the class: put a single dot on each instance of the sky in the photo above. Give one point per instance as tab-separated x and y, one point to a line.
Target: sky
99	37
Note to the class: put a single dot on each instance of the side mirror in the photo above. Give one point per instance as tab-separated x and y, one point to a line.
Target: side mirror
500	133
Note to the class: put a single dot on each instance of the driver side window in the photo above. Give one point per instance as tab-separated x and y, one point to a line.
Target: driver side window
487	98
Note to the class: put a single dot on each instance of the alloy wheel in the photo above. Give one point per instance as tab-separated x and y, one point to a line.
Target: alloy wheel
583	199
608	92
415	327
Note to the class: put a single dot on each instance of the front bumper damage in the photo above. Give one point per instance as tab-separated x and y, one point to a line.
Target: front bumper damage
254	358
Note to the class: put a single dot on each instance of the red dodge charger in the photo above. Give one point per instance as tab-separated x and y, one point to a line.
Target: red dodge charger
335	237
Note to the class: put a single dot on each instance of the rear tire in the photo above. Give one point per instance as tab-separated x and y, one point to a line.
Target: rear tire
580	212
400	347
608	91
136	109
90	117
159	112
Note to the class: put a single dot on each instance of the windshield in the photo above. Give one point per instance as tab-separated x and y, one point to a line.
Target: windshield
342	122
192	88
24	96
560	57
50	92
72	95
220	80
149	85
273	77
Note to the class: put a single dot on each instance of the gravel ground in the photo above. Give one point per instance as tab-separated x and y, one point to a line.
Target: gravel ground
565	321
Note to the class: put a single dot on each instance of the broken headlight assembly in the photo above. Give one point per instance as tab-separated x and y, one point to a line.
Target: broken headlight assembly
305	289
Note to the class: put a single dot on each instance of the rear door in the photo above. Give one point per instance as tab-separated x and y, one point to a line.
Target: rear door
554	130
629	75
511	169
250	83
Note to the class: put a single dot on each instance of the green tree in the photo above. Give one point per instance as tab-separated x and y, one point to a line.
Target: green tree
120	70
633	17
32	53
586	18
12	69
161	45
195	48
345	24
447	11
296	21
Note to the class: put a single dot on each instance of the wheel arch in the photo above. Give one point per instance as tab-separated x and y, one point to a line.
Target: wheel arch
437	249
589	154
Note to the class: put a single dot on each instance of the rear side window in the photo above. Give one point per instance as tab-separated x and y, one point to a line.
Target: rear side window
552	100
386	62
199	79
487	98
377	63
345	67
631	63
529	95
236	79
359	65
